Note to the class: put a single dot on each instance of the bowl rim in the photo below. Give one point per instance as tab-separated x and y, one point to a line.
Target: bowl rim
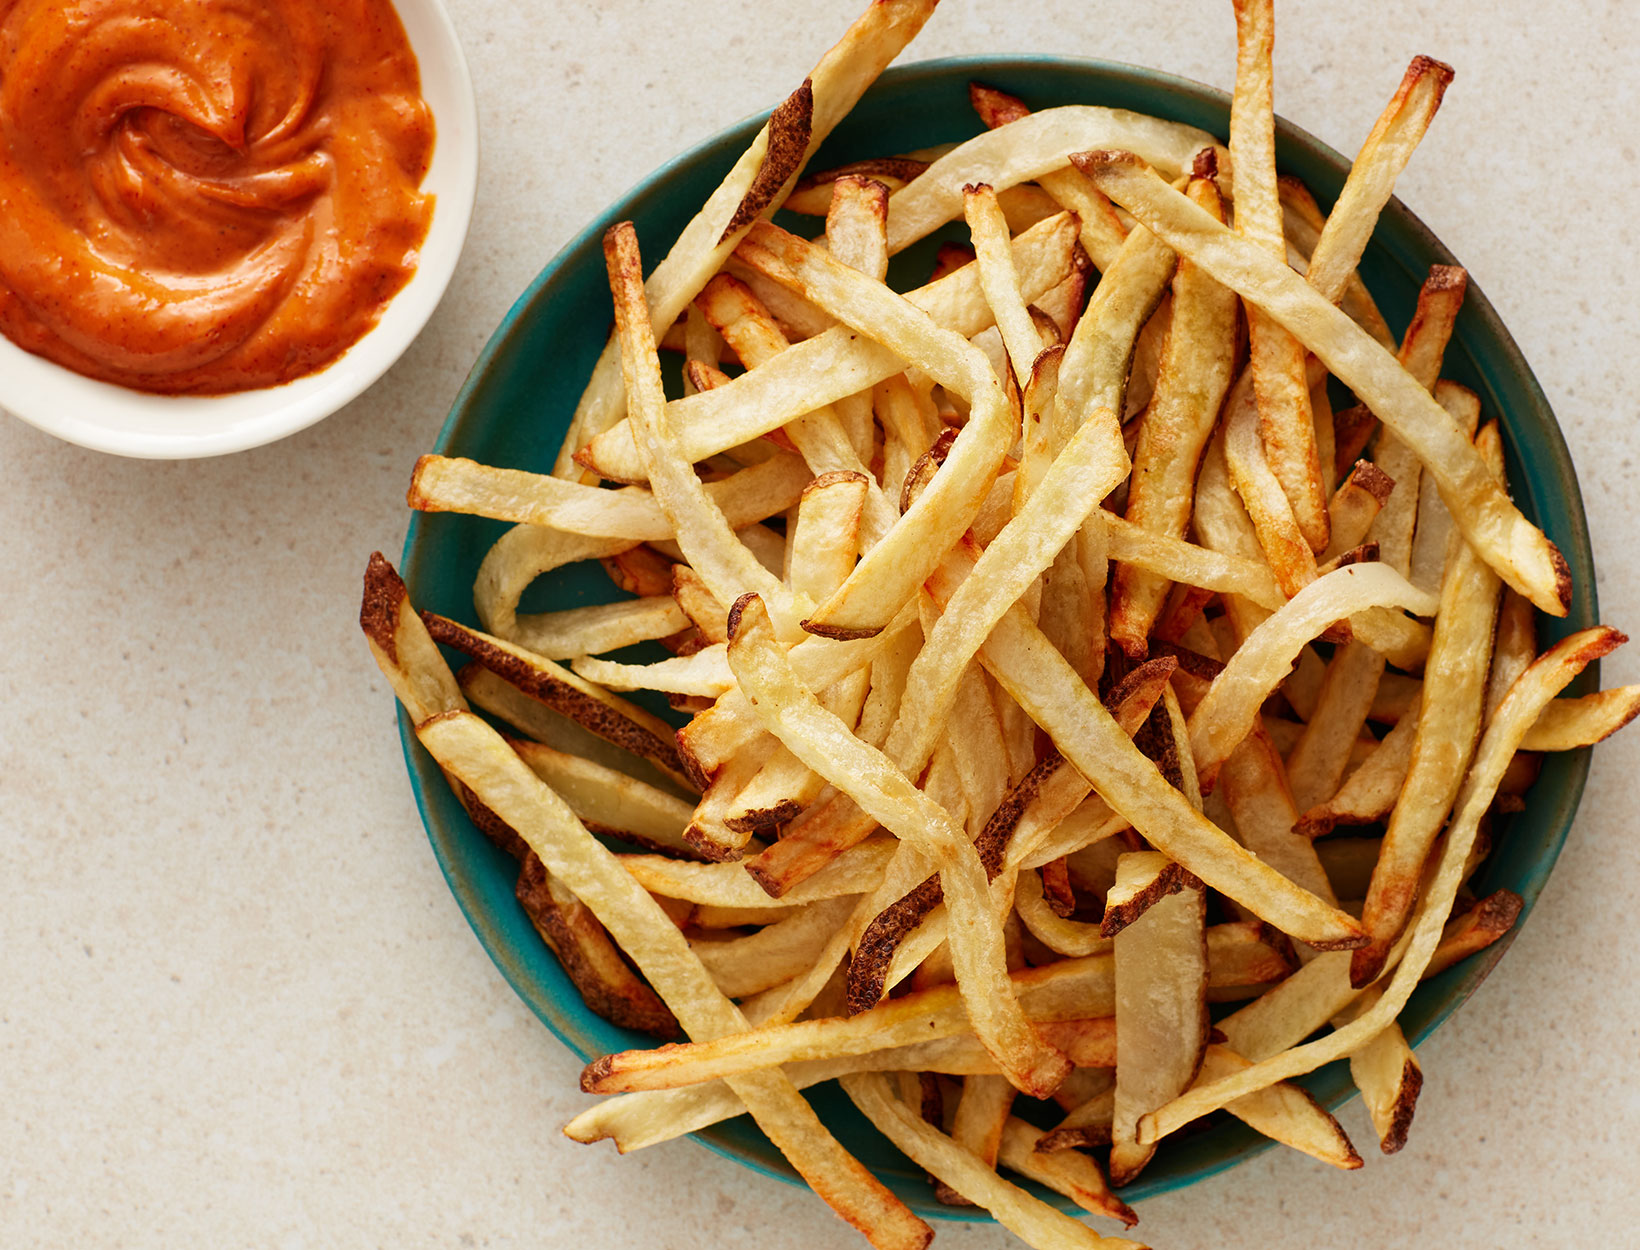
55	399
1567	798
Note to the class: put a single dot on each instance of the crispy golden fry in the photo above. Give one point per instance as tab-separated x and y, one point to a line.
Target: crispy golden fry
1567	724
1193	376
758	182
1074	1175
1475	930
1354	506
1372	177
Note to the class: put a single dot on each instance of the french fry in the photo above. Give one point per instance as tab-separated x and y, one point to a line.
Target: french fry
1475	930
1032	1219
1285	423
1076	1176
1449	721
831	365
1567	724
1193	376
1515	547
1161	1010
1539	684
1370	793
882	790
758	182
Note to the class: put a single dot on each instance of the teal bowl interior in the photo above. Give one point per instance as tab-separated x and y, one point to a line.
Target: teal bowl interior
516	406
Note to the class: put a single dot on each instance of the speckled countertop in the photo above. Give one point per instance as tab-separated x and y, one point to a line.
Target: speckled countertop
238	1006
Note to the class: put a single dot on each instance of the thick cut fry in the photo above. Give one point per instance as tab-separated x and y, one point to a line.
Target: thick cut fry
1161	1014
1370	793
1000	281
1511	544
830	749
1283	1112
1547	676
1285	423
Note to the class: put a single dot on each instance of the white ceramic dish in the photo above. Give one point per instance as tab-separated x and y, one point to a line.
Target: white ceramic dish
162	427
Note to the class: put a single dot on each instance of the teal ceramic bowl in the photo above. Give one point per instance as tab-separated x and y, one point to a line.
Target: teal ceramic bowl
516	406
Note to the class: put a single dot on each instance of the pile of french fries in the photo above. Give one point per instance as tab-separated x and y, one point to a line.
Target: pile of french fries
1040	627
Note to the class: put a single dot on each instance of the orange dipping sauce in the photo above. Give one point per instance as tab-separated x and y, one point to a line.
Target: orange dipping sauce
206	195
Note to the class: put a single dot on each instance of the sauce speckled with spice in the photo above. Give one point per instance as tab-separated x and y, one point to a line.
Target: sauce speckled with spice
206	195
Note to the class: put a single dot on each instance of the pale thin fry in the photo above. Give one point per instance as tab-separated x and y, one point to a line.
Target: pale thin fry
1316	765
1516	647
831	750
1510	543
775	953
999	280
442	484
831	365
1388	1076
601	627
1225	716
704	672
1370	793
1261	803
1286	425
1547	676
1303	222
1033	1220
1567	724
758	182
1264	494
1026	149
1428	558
1069	990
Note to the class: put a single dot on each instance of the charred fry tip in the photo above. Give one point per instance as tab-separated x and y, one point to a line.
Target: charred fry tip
791	125
836	477
596	1072
842	633
737	609
1205	164
1424	65
1406	1105
384	591
1447	278
1370	478
975	188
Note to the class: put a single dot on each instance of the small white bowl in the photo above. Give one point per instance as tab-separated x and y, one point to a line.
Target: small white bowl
112	418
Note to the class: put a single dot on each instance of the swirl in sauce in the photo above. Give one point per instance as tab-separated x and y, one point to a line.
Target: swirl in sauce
206	195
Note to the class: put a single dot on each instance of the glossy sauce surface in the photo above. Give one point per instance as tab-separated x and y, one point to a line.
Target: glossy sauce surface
206	195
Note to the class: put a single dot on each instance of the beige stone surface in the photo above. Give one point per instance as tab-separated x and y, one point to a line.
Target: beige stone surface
238	1006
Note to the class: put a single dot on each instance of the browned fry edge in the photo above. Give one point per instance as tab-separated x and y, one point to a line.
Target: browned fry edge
635	1006
560	696
1406	1104
384	592
900	168
1170	880
995	107
790	127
